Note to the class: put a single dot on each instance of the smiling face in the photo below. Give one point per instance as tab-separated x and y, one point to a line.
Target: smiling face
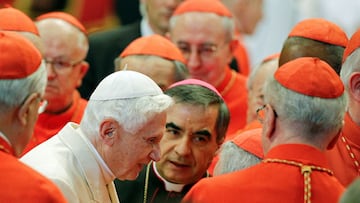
189	142
126	154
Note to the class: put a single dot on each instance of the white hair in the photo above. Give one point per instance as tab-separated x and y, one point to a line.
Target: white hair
15	91
131	114
233	158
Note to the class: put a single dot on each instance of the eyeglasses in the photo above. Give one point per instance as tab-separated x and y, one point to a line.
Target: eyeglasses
42	106
261	114
61	66
205	51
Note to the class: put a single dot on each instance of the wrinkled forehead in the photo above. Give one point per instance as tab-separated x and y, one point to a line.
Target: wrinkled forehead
196	27
61	39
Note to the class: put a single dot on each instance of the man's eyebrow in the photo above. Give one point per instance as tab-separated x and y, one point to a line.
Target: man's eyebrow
172	125
203	132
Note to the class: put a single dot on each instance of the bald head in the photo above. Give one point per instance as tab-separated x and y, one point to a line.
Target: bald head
295	47
64	35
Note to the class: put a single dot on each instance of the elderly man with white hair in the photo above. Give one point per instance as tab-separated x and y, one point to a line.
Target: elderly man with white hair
119	134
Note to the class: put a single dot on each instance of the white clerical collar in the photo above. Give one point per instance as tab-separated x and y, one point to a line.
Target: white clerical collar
5	138
168	185
108	174
145	28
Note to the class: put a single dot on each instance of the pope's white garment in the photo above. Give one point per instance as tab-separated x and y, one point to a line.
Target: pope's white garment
73	164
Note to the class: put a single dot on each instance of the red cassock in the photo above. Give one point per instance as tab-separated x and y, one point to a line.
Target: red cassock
49	125
233	90
340	159
254	130
242	58
277	179
20	183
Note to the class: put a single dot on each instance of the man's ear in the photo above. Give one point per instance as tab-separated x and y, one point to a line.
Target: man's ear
84	67
108	131
354	86
269	122
233	45
28	109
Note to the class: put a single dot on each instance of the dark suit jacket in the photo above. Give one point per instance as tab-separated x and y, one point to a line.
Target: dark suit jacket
104	48
133	191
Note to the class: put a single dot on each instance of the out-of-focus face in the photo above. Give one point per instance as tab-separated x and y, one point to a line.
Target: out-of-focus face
247	14
160	70
159	12
32	103
255	93
130	153
202	40
189	143
65	65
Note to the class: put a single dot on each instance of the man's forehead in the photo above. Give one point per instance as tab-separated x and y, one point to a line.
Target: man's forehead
197	21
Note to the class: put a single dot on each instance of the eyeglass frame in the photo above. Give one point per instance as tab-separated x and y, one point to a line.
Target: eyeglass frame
203	51
259	118
62	65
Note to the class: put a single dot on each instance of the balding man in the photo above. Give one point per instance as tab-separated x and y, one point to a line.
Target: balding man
65	47
156	57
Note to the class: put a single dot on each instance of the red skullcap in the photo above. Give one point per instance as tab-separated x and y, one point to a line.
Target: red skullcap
196	82
12	19
19	57
352	45
310	76
321	30
250	141
132	84
208	6
65	17
154	45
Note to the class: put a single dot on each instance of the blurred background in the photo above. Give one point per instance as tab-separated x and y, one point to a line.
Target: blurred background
278	19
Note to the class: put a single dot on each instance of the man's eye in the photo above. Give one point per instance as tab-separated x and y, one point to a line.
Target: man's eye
172	132
152	140
200	139
184	49
207	49
61	64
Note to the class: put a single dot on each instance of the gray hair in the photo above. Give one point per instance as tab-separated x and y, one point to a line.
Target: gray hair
181	71
313	116
233	158
131	114
15	91
350	66
227	22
